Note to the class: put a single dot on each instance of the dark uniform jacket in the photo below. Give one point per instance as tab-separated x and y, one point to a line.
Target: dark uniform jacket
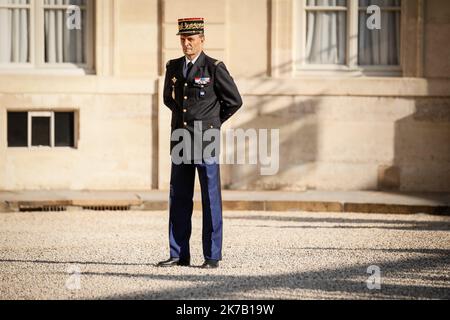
205	100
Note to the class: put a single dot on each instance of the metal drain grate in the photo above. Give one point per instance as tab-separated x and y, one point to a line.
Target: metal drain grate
42	208
107	208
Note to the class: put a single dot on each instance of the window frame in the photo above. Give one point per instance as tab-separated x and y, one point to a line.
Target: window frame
41	114
351	67
37	64
50	114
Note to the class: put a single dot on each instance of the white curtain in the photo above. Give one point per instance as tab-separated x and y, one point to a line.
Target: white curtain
326	34
380	47
63	45
14	33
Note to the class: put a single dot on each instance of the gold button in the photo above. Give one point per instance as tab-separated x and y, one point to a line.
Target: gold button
185	98
185	84
185	110
185	124
211	127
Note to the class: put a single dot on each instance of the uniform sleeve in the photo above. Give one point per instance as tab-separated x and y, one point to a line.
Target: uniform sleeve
227	92
167	95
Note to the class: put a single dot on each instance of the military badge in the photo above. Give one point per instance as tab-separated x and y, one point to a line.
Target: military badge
202	81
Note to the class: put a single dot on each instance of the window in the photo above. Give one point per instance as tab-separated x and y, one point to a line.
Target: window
36	34
64	129
379	47
41	129
333	35
326	24
17	129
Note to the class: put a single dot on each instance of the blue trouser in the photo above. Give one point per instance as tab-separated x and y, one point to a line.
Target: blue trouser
181	204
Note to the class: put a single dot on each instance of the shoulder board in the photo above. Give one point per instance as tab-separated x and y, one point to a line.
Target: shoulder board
168	63
217	63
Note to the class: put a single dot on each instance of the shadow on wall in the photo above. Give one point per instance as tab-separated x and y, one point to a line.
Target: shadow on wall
298	141
421	149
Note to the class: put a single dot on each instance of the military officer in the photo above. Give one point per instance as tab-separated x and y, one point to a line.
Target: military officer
202	95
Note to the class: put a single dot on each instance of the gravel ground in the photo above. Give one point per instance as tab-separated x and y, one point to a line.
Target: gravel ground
294	255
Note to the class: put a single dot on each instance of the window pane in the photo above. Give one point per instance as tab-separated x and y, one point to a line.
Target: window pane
62	44
14	33
66	2
40	131
379	47
326	3
17	129
326	37
380	3
64	129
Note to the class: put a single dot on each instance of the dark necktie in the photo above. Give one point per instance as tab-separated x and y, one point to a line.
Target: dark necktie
189	68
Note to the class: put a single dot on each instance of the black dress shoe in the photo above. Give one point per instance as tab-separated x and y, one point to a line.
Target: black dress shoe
173	262
210	264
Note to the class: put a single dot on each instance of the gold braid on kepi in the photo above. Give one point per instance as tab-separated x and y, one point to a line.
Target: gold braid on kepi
189	26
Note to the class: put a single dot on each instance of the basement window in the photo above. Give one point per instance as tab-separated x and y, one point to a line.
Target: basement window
41	129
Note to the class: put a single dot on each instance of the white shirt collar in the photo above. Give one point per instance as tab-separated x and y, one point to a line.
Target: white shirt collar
193	61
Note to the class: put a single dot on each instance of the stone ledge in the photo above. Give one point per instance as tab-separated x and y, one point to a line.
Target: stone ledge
244	205
395	208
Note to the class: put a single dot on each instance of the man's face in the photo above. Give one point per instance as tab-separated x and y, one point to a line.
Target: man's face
192	45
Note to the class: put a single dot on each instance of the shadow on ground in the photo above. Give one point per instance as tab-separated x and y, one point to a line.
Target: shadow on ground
348	223
339	282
